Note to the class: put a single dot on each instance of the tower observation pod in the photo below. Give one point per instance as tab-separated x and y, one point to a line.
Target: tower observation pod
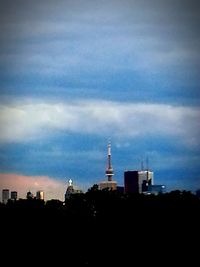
109	184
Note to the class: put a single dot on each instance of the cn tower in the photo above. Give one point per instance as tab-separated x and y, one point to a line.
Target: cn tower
109	170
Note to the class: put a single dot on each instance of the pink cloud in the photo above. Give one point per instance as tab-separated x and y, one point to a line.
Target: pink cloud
53	189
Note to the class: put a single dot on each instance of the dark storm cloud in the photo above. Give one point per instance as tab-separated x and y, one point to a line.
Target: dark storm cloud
167	14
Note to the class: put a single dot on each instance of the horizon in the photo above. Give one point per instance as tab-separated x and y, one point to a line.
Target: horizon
58	189
74	76
62	199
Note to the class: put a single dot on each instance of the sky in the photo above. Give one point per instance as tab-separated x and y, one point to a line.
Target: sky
76	74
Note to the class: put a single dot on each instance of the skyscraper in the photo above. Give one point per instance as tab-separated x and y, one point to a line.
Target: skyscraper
131	182
5	195
29	195
40	195
14	195
146	177
137	181
110	184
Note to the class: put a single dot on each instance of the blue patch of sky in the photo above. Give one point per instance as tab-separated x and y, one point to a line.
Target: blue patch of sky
124	87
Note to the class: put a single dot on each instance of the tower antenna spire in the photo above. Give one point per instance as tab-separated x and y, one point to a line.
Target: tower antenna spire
147	163
109	170
142	165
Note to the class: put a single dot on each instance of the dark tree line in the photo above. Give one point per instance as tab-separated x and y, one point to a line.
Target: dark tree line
98	228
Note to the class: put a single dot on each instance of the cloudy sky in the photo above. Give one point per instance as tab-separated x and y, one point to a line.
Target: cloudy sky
74	74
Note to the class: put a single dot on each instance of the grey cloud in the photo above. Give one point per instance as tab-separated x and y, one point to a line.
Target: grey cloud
74	37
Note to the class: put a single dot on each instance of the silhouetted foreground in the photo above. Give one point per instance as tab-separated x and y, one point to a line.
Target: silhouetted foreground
102	228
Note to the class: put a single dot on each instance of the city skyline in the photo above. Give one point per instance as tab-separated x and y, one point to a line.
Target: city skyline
74	76
56	189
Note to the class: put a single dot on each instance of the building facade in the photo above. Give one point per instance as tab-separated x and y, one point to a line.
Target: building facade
71	190
137	181
5	195
40	195
13	195
29	195
157	189
110	185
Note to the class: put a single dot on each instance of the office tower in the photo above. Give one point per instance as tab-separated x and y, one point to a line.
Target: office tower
29	195
5	195
131	182
40	195
147	176
109	184
14	195
137	181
